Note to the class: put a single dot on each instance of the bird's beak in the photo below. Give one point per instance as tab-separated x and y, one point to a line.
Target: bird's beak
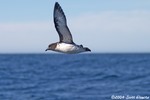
46	49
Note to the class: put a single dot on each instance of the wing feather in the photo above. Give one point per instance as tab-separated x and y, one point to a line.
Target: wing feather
61	25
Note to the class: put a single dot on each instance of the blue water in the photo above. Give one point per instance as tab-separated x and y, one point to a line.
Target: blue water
73	77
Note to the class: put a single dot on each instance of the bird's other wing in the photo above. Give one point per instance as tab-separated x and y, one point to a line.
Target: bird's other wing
61	24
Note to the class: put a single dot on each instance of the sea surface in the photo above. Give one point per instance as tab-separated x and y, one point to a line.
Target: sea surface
74	77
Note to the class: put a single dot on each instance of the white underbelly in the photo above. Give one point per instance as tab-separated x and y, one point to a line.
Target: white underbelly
67	48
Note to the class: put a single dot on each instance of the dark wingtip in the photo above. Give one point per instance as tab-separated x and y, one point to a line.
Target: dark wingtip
56	4
58	7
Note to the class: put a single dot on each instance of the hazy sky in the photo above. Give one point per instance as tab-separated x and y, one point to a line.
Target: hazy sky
26	26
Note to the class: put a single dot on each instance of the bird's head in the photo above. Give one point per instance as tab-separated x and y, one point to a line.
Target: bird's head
51	46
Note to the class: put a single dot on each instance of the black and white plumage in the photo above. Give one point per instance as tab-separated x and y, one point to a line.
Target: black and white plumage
66	44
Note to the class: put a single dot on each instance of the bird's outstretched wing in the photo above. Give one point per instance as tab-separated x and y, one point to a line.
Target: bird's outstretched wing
61	24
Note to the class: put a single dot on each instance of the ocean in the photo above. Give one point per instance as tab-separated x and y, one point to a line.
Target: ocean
75	77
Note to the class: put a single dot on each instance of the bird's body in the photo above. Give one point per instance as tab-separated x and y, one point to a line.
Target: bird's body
66	44
68	48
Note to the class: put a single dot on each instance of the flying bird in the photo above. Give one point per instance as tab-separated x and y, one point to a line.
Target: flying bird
65	44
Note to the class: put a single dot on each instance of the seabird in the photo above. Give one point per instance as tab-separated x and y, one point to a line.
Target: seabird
65	44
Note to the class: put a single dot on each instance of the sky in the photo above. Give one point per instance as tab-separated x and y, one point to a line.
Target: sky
105	26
